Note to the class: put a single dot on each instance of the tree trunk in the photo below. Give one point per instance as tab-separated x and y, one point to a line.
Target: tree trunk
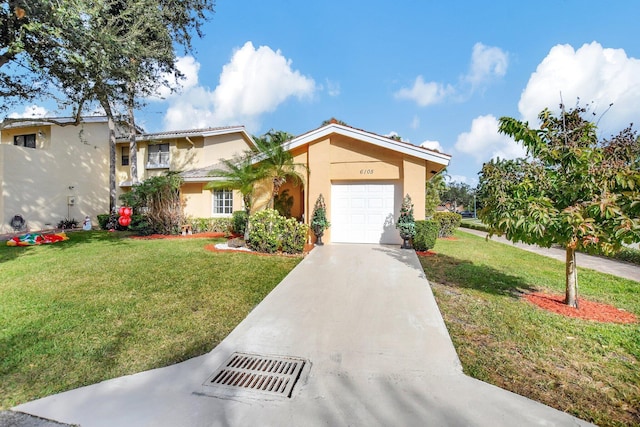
133	146
571	298
112	162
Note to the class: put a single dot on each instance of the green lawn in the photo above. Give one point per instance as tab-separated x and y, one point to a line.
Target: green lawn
100	306
585	368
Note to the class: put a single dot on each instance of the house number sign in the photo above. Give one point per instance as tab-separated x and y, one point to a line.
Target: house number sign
366	171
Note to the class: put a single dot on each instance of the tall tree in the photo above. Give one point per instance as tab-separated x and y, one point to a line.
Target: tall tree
573	190
276	162
457	194
110	52
433	188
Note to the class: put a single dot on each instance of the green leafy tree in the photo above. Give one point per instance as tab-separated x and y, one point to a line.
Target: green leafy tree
573	190
276	162
238	174
458	194
112	53
433	188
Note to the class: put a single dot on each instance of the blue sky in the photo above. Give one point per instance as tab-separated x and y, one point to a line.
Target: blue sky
439	73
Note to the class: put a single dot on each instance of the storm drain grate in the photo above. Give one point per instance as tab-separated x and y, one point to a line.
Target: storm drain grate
274	375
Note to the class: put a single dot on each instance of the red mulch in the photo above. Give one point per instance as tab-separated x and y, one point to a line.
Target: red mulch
426	253
212	248
180	236
587	310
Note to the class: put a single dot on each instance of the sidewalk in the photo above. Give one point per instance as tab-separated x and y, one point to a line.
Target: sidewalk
601	264
377	353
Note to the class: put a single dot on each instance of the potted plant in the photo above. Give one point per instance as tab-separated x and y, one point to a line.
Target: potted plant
406	223
319	221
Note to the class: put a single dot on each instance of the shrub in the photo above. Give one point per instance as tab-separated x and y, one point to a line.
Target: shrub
294	236
266	230
474	225
239	222
210	225
426	235
67	224
448	222
406	223
103	221
141	225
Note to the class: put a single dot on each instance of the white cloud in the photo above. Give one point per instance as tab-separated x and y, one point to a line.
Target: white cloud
462	179
592	73
254	82
425	93
333	88
487	62
415	122
432	145
483	141
34	111
189	68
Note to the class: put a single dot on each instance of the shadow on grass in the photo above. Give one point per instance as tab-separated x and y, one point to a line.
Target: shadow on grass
76	238
454	272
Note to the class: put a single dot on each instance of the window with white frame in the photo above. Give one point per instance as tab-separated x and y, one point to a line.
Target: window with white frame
28	141
222	202
158	156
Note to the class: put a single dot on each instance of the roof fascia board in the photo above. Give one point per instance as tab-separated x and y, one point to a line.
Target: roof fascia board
380	141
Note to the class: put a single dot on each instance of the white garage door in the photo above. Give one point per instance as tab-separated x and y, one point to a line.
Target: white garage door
363	213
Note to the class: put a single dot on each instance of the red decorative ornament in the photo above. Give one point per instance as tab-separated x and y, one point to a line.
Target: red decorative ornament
127	211
121	211
124	221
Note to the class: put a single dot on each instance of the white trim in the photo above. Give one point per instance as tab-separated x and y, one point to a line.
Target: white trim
380	141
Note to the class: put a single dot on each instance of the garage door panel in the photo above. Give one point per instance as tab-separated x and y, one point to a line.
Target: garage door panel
363	213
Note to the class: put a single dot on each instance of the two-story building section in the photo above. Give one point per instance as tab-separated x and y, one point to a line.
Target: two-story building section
52	170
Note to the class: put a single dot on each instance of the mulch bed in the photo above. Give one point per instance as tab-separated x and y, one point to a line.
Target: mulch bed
306	250
426	253
180	236
587	310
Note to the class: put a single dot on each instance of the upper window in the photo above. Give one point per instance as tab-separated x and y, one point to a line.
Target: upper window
222	202
158	156
28	141
125	156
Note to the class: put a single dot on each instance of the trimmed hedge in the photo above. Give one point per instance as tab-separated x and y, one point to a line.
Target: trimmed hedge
448	222
474	225
426	235
210	225
271	232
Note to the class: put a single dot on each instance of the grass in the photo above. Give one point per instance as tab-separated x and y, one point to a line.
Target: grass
100	306
626	254
588	369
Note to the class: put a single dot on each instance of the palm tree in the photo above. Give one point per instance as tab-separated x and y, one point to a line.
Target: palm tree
239	174
276	162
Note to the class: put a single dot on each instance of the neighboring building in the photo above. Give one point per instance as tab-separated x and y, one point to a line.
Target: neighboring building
49	172
194	153
362	176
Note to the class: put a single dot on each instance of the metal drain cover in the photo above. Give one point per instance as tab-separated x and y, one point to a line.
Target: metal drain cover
271	375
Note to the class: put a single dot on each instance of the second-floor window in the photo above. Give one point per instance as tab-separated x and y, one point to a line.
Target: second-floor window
125	156
158	156
28	141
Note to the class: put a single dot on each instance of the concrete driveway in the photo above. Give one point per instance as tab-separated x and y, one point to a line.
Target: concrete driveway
376	349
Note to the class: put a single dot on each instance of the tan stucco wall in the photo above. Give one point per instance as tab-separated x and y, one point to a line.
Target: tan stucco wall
36	182
199	152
